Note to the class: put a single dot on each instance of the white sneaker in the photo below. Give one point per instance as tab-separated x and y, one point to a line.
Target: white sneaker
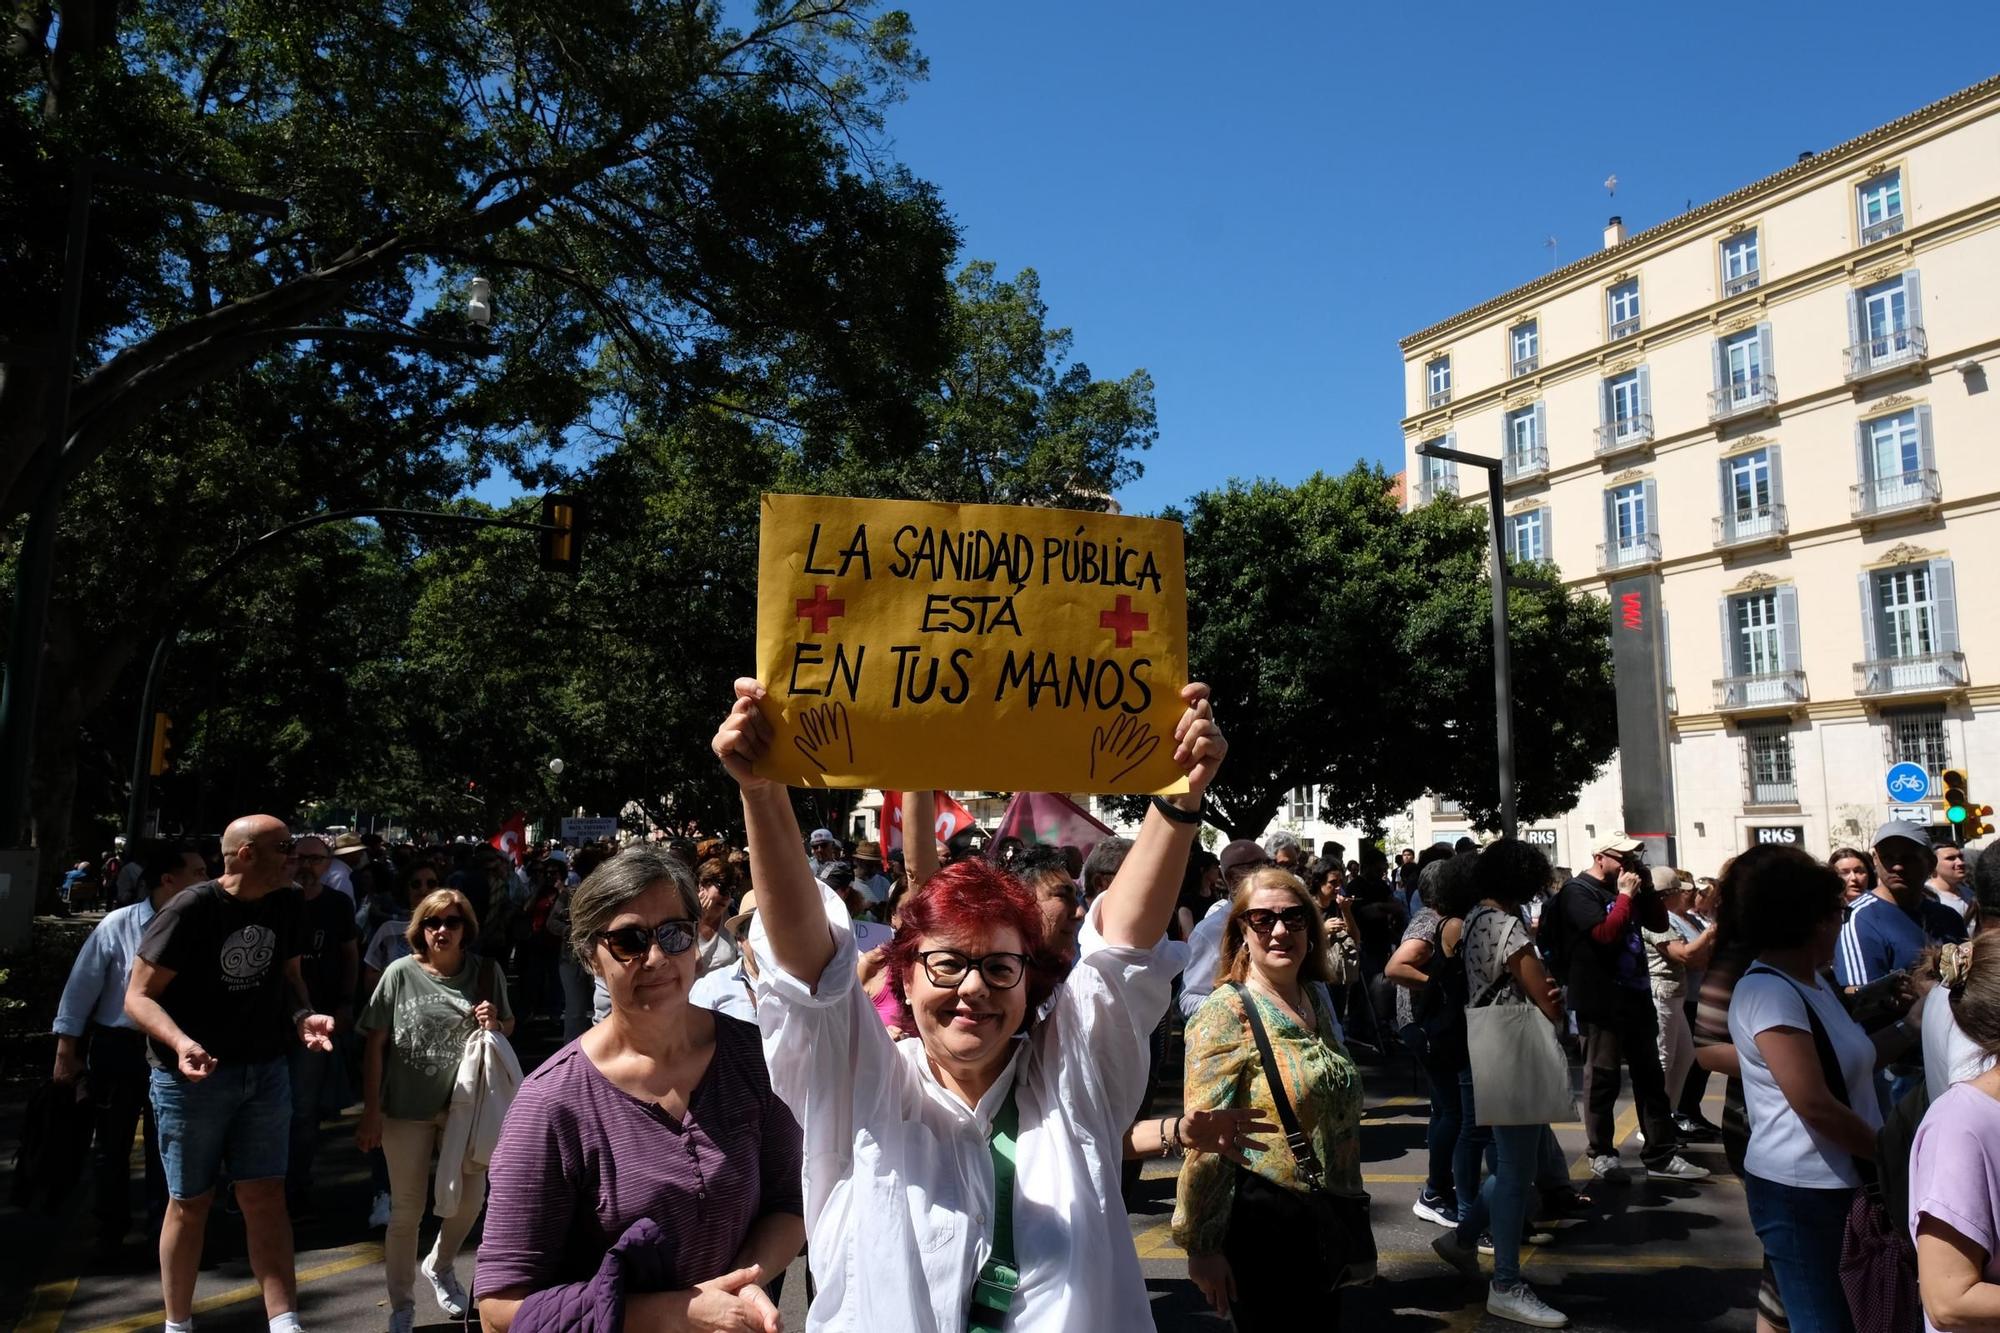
445	1283
1520	1304
403	1320
1606	1167
1680	1168
378	1215
1430	1212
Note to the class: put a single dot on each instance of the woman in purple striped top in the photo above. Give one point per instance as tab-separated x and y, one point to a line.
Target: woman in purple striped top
647	1177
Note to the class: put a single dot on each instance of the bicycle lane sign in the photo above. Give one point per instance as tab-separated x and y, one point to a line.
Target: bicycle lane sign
1909	782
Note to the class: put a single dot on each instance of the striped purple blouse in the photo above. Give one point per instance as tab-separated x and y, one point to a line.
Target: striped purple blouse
579	1161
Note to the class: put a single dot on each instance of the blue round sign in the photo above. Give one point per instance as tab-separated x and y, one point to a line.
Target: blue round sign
1909	782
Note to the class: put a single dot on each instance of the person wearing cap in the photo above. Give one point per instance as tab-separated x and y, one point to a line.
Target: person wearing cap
1601	913
824	849
1237	860
348	856
732	990
868	876
1888	928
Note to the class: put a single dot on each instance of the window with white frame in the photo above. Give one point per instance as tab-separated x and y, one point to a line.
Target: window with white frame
1759	646
1740	270
1437	380
1525	345
1627	403
1629	520
1768	763
1743	366
1879	201
1749	484
1918	736
1440	475
1906	612
1304	805
1523	437
1886	319
1622	308
1527	535
1894	460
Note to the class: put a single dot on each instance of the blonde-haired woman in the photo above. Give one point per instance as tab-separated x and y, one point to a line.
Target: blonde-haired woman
425	1006
1250	1231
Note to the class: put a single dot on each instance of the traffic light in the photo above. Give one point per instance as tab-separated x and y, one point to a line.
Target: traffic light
163	727
562	534
1967	818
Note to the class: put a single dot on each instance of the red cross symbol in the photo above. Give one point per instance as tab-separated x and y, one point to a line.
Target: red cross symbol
819	608
1123	621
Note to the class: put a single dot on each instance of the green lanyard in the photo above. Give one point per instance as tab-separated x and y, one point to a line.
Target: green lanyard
993	1292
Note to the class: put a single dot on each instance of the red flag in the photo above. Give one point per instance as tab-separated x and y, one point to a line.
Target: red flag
952	818
1052	819
512	837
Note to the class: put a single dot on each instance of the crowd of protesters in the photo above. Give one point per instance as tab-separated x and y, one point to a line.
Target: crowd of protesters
920	1069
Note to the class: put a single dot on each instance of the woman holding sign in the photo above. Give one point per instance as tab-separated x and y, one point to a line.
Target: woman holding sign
967	1179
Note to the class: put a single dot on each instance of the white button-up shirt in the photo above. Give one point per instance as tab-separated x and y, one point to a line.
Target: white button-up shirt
95	991
898	1174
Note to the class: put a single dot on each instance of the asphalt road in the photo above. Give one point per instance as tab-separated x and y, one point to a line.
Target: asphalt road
1652	1255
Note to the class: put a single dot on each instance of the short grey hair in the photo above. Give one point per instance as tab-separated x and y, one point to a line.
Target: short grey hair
1103	862
1283	841
611	886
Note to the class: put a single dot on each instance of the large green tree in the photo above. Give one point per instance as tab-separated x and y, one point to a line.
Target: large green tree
1349	645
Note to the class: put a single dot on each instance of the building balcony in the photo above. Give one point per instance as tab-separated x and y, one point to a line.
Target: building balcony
1767	690
1751	527
1742	398
1928	673
1624	328
1437	398
1521	464
1891	351
1527	365
1904	493
1624	435
1631	553
1434	487
1739	284
1883	230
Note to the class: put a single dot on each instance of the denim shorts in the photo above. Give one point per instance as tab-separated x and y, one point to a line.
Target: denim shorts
237	1119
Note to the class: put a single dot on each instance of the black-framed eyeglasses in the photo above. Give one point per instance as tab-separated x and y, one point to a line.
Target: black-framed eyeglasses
1264	919
444	923
949	968
628	944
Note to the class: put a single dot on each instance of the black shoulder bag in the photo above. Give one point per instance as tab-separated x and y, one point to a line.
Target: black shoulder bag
1340	1221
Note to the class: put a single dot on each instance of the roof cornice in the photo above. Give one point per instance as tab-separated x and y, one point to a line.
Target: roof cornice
1859	146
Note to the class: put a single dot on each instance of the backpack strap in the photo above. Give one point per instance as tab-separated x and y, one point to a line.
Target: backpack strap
1499	983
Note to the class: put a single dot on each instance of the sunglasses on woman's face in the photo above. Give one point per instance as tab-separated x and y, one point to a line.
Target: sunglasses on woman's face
445	923
1263	919
628	944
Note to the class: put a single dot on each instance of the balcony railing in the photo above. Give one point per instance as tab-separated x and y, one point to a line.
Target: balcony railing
1769	790
1438	397
1629	553
1623	433
1739	284
1883	230
1889	351
1433	487
1771	689
1624	328
1747	527
1520	464
1756	393
1929	673
1526	365
1902	493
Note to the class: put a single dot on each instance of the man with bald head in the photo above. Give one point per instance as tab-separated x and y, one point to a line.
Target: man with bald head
219	993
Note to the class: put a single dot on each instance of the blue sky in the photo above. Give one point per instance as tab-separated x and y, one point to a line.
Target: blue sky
1255	202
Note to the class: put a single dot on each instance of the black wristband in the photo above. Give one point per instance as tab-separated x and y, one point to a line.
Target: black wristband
1174	812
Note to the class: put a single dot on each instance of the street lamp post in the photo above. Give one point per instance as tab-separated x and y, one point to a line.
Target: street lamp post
1503	671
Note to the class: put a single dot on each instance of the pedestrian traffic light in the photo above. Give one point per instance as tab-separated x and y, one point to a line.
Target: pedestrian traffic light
562	534
163	727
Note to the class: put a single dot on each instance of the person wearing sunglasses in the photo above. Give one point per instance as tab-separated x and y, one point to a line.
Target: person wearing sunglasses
416	1025
391	939
647	1175
1252	1244
1014	1075
714	946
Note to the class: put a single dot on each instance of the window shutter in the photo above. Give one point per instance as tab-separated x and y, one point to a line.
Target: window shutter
1548	533
1645	390
1864	470
1542	425
1777	475
1870	639
1764	352
1651	492
1604	402
1854	326
1506	435
1926	447
1728	637
1913	298
1944	595
1727	504
1718	364
1788	628
1507	539
1611	518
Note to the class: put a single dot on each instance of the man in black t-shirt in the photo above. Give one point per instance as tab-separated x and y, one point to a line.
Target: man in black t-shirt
218	991
330	962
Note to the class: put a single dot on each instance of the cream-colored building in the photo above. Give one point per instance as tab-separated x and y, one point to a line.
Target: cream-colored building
1775	413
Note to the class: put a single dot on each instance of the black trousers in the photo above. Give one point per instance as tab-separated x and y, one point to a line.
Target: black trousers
1696	1086
1631	1038
1282	1281
115	1067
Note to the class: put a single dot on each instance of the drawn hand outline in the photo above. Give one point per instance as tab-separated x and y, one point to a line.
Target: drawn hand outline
825	726
1128	741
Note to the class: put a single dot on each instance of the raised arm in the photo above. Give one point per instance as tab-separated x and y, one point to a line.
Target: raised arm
920	846
1140	901
788	898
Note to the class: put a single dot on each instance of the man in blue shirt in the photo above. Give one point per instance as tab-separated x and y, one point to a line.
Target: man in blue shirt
93	1006
1888	928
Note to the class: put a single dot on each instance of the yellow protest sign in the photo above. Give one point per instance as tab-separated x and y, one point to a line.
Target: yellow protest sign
909	645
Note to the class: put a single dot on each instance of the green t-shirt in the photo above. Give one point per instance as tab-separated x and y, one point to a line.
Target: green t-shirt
428	1019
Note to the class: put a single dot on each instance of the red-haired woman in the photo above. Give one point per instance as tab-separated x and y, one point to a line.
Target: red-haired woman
905	1142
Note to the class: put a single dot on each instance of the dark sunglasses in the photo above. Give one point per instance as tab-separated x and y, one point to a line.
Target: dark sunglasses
628	944
444	923
285	845
1263	919
423	882
949	968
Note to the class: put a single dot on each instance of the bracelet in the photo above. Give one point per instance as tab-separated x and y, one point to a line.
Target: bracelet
1180	1148
298	1014
1163	1136
1174	812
